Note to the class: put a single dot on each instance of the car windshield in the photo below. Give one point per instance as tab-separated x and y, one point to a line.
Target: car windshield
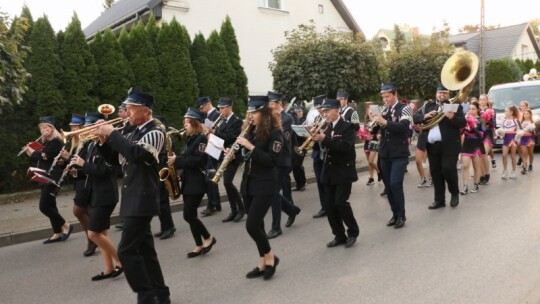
513	96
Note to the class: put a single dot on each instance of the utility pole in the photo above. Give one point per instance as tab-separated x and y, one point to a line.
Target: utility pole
482	68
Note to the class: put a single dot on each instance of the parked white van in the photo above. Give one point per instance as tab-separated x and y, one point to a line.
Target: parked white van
503	95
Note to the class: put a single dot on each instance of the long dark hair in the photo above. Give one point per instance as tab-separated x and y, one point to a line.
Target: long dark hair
269	120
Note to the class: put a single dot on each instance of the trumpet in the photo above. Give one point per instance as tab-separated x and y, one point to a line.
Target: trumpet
23	149
219	121
320	127
85	133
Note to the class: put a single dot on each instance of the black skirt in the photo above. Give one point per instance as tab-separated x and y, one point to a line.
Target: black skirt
100	217
471	145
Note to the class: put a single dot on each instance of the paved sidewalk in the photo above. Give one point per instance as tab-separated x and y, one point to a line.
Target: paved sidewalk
23	222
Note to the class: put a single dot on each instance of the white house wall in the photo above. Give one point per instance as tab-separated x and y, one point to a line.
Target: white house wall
258	30
518	52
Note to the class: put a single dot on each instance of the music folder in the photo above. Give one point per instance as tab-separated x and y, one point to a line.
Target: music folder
214	146
300	130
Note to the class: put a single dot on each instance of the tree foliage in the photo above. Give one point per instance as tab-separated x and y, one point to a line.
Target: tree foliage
178	80
501	71
228	36
399	39
312	63
107	4
221	66
13	74
199	59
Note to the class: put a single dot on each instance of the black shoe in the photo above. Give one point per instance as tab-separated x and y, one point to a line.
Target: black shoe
350	241
336	242
239	216
383	193
51	240
117	271
319	214
370	181
193	254
255	273
158	234
206	250
119	226
392	221
166	300
454	201
270	270
167	234
303	188
291	218
102	276
400	222
273	233
436	205
519	161
229	217
65	236
90	249
208	212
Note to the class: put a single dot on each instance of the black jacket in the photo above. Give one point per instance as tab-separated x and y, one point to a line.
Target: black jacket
450	128
192	162
51	149
286	123
340	154
100	178
229	131
260	172
394	141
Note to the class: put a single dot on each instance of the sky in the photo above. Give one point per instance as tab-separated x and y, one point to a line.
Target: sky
424	14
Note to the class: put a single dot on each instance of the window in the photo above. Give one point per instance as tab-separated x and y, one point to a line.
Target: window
276	4
321	9
524	51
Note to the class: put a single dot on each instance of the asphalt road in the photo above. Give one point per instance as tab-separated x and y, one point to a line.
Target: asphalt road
484	251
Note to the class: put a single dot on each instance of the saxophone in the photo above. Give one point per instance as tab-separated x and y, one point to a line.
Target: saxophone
168	175
230	156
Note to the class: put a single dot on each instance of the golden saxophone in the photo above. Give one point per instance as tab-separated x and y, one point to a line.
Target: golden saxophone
168	175
230	156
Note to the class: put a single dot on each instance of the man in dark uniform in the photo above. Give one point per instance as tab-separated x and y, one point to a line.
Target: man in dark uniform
317	156
394	150
139	157
339	173
299	173
214	202
347	112
283	202
126	129
165	213
443	147
229	130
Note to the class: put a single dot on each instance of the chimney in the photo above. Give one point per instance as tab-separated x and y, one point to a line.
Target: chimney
415	31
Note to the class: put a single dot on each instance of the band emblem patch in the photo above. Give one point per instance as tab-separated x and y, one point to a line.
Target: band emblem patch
276	147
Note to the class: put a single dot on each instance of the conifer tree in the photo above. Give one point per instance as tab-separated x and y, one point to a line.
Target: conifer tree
28	16
178	80
199	59
221	66
152	30
79	70
114	77
228	36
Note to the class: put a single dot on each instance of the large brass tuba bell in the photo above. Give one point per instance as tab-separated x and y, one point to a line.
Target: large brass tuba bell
458	73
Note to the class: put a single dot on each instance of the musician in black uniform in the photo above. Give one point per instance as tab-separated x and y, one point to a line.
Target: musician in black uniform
443	147
394	152
261	149
283	202
165	213
82	192
212	114
139	157
192	161
318	160
229	130
339	173
348	113
52	145
101	181
299	173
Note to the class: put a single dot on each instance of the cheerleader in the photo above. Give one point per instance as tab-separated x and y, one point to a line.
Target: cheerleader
526	145
507	131
473	148
488	115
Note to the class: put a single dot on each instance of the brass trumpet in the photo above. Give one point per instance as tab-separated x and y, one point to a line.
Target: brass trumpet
320	126
85	133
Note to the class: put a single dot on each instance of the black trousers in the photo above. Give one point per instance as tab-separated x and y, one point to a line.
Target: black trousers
47	206
257	207
283	202
393	173
339	211
212	191
299	173
165	214
198	230
139	258
235	200
318	165
443	169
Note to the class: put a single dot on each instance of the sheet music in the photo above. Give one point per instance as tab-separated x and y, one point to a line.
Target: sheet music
450	107
214	146
374	110
300	130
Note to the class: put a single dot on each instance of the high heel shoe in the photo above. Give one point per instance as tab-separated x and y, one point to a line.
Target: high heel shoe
205	250
270	270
